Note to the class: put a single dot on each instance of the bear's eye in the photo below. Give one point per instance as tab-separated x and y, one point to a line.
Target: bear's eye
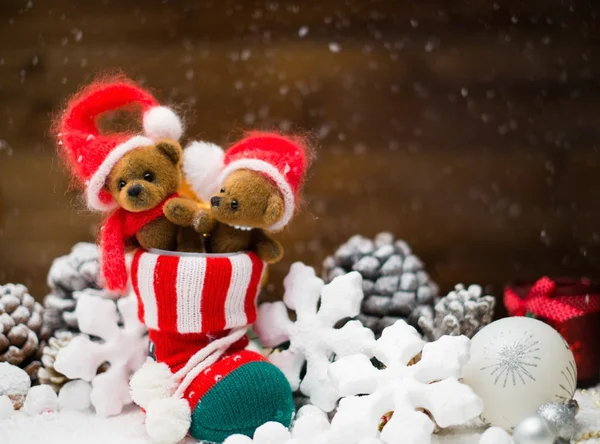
222	190
234	204
121	184
148	176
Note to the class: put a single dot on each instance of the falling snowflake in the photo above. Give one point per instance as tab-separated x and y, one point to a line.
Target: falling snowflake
335	47
302	31
513	361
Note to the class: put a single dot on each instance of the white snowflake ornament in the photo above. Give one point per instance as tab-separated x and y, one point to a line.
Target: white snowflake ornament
398	345
313	338
125	348
430	384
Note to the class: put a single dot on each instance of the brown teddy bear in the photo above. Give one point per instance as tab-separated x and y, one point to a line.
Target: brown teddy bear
246	203
130	176
258	180
140	182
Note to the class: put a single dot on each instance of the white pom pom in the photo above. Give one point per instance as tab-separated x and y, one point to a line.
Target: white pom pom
495	435
202	164
75	395
310	422
162	122
271	433
168	420
6	407
308	427
153	381
40	398
238	439
310	410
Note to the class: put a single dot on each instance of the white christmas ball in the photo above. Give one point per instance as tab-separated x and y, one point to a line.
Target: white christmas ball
75	395
516	365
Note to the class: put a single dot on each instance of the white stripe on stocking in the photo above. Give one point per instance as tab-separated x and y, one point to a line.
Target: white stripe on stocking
241	273
191	273
146	266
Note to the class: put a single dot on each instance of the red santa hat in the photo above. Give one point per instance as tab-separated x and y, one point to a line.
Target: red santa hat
93	155
279	158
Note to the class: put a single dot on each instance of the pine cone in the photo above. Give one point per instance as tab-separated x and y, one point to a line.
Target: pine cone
394	282
78	271
48	374
20	328
462	312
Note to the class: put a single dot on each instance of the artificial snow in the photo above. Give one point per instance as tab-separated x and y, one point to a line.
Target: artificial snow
71	427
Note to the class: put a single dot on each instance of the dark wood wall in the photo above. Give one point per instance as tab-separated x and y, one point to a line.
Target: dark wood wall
468	128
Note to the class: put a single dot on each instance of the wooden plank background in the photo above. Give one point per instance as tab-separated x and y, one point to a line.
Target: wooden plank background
468	128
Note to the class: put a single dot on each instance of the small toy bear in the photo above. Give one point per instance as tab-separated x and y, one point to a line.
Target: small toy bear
246	203
134	175
258	182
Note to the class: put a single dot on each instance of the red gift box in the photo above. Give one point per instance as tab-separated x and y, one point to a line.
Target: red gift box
572	307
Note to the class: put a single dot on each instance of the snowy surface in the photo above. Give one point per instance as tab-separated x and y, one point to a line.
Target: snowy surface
70	427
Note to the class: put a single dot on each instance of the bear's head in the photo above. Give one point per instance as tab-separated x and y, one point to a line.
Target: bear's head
146	176
247	199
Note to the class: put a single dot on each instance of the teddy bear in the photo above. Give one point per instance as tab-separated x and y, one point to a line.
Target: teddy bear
246	203
258	181
126	175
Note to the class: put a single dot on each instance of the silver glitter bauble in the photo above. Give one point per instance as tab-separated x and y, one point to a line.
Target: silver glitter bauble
561	417
534	430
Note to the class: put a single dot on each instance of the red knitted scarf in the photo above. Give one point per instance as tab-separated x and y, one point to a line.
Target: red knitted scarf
119	227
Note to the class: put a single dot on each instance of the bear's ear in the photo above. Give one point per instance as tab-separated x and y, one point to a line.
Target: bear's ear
274	209
171	149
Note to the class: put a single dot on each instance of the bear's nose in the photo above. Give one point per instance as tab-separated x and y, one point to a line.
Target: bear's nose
134	191
215	201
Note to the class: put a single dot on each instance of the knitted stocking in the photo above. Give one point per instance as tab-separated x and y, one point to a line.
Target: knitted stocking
203	381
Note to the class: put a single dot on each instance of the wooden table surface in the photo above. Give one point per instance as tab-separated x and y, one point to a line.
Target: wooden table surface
468	128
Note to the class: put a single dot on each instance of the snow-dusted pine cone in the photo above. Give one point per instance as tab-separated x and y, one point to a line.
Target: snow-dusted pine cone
394	282
462	312
78	271
20	328
48	374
